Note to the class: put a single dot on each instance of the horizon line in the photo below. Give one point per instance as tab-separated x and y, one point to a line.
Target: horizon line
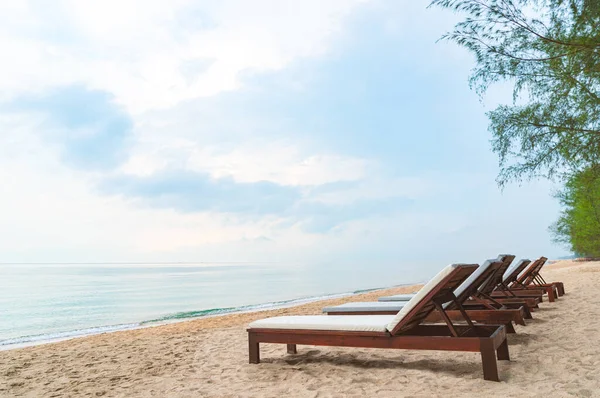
138	262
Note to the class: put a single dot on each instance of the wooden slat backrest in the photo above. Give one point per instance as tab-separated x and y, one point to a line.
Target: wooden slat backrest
426	305
514	273
476	284
528	279
497	278
525	274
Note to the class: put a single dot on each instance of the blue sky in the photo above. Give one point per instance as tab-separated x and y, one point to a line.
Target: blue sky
287	131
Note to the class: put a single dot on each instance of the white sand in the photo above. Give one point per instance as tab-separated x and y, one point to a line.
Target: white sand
557	354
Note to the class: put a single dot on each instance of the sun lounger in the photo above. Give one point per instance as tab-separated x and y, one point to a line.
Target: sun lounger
506	259
532	278
522	285
468	288
511	275
496	289
482	298
405	330
509	300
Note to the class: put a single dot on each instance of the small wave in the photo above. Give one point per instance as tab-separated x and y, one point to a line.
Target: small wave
366	290
244	308
24	341
171	318
361	291
58	336
191	314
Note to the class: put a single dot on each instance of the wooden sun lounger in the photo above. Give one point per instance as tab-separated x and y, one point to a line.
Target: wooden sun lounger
492	316
485	299
506	260
519	289
482	298
496	289
507	301
532	279
538	280
403	331
511	275
521	285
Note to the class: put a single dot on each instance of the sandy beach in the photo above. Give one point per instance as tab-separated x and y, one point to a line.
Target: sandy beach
557	353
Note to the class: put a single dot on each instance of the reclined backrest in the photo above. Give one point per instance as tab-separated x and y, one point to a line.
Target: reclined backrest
439	289
497	278
475	281
527	278
513	272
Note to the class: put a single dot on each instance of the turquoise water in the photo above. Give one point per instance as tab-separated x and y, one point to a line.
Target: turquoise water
41	303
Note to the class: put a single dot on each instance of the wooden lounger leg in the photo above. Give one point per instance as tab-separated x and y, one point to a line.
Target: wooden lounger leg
557	287
527	312
253	349
509	327
488	360
291	349
551	295
502	351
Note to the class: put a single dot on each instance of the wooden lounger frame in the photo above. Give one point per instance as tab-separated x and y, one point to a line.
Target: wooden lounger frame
488	315
482	316
532	279
521	306
536	292
511	278
522	284
492	315
482	297
409	333
496	288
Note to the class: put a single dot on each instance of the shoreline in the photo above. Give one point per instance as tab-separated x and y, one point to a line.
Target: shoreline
179	317
174	318
208	357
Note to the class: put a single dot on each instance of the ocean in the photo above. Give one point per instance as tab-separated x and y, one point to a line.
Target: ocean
49	302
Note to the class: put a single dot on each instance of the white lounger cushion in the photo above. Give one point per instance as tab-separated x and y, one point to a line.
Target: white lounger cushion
469	281
355	323
457	292
374	306
419	296
397	297
512	268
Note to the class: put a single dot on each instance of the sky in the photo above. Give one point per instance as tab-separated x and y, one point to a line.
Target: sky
338	132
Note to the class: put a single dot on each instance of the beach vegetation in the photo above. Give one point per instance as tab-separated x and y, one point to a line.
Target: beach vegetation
578	226
549	51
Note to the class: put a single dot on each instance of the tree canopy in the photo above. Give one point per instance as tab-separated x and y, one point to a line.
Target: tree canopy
550	51
578	226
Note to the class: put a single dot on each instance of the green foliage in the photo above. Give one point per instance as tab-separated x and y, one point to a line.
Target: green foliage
550	51
578	226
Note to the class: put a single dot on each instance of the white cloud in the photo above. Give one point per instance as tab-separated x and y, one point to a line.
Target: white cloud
50	210
154	56
137	49
140	51
51	213
278	163
378	186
